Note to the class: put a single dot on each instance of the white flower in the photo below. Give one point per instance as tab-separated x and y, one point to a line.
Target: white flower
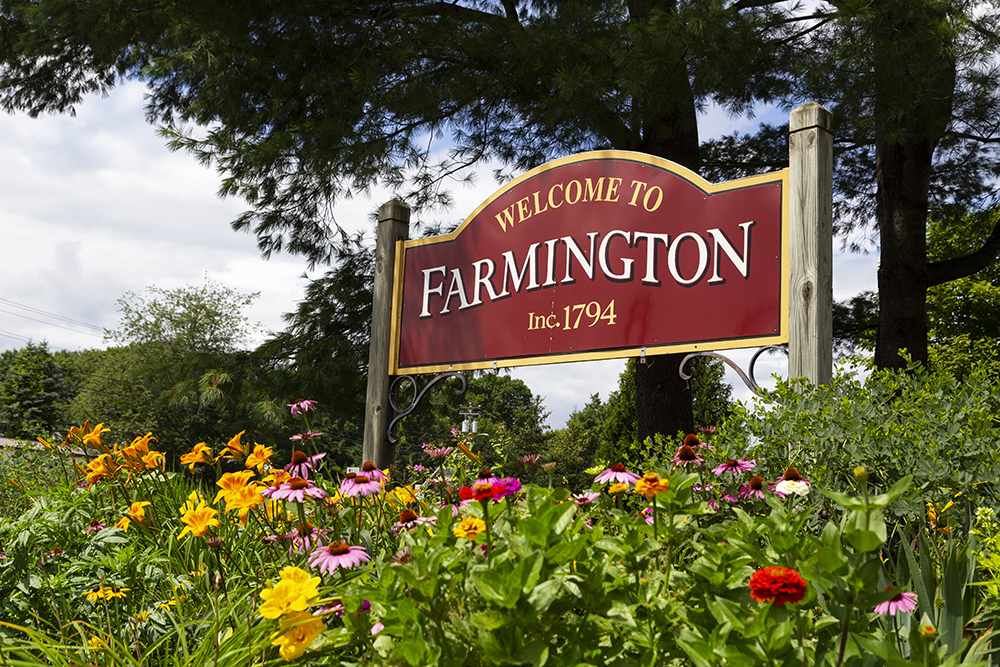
789	486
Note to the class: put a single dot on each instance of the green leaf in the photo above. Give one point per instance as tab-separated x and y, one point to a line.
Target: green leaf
866	530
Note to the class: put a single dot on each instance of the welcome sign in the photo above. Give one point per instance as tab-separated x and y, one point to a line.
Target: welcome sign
600	255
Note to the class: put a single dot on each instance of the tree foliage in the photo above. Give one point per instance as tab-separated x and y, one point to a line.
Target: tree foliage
32	389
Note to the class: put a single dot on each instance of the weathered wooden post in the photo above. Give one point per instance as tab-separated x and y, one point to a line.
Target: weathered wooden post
393	225
810	321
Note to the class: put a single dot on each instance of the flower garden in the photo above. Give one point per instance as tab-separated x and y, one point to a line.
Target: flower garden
707	553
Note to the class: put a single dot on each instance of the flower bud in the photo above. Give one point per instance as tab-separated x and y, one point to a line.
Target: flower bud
860	474
928	631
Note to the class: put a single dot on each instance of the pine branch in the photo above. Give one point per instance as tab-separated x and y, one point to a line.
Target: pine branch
960	267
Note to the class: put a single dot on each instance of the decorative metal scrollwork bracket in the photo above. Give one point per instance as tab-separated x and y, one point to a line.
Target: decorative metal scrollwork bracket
748	380
399	413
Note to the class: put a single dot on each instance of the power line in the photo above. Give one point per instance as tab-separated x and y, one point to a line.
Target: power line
39	311
15	336
50	324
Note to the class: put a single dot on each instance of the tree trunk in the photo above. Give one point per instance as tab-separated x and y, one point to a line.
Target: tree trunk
668	129
903	176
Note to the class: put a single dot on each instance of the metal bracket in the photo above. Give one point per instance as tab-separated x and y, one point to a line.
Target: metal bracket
748	381
417	395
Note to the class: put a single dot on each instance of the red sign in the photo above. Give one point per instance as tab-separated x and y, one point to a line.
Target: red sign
599	255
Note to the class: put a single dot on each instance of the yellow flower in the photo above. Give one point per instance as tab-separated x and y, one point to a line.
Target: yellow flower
154	461
650	484
140	617
232	483
100	468
234	449
105	593
298	632
258	457
244	499
619	487
167	605
200	453
94	436
199	520
469	528
137	511
296	591
132	456
123	523
194	499
95	643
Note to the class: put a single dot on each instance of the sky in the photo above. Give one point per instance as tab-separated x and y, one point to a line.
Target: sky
93	206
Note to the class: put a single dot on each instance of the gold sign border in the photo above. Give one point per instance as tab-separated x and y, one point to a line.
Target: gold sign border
561	358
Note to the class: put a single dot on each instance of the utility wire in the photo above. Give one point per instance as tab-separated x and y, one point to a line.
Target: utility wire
15	336
51	324
39	311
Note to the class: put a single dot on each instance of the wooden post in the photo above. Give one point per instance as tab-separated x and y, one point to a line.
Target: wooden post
393	225
810	321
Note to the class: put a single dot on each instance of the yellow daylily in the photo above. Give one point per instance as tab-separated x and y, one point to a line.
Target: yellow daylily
258	457
234	449
200	453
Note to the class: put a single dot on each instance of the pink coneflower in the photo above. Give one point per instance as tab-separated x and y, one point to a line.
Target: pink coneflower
903	602
707	430
296	489
302	465
95	526
617	474
648	515
755	489
371	471
694	442
301	407
437	452
511	486
485	477
549	467
304	538
686	455
347	483
362	486
585	498
409	519
735	467
530	459
338	555
308	435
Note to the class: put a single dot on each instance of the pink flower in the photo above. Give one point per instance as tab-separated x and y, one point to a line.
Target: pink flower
377	628
371	471
485	477
338	555
362	486
529	459
585	498
511	486
308	435
648	515
301	407
409	519
903	602
686	455
735	467
437	452
302	465
618	474
755	489
296	489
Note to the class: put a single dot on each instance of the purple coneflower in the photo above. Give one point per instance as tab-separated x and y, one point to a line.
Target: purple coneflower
347	483
302	465
301	407
707	430
648	515
338	555
903	602
437	452
485	477
618	474
95	526
362	486
296	489
409	519
371	471
755	489
530	459
308	435
585	498
686	455
735	467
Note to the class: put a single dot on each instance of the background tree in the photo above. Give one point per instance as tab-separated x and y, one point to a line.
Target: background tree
32	389
308	101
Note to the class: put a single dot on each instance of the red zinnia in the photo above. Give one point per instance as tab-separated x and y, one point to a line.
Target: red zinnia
781	584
